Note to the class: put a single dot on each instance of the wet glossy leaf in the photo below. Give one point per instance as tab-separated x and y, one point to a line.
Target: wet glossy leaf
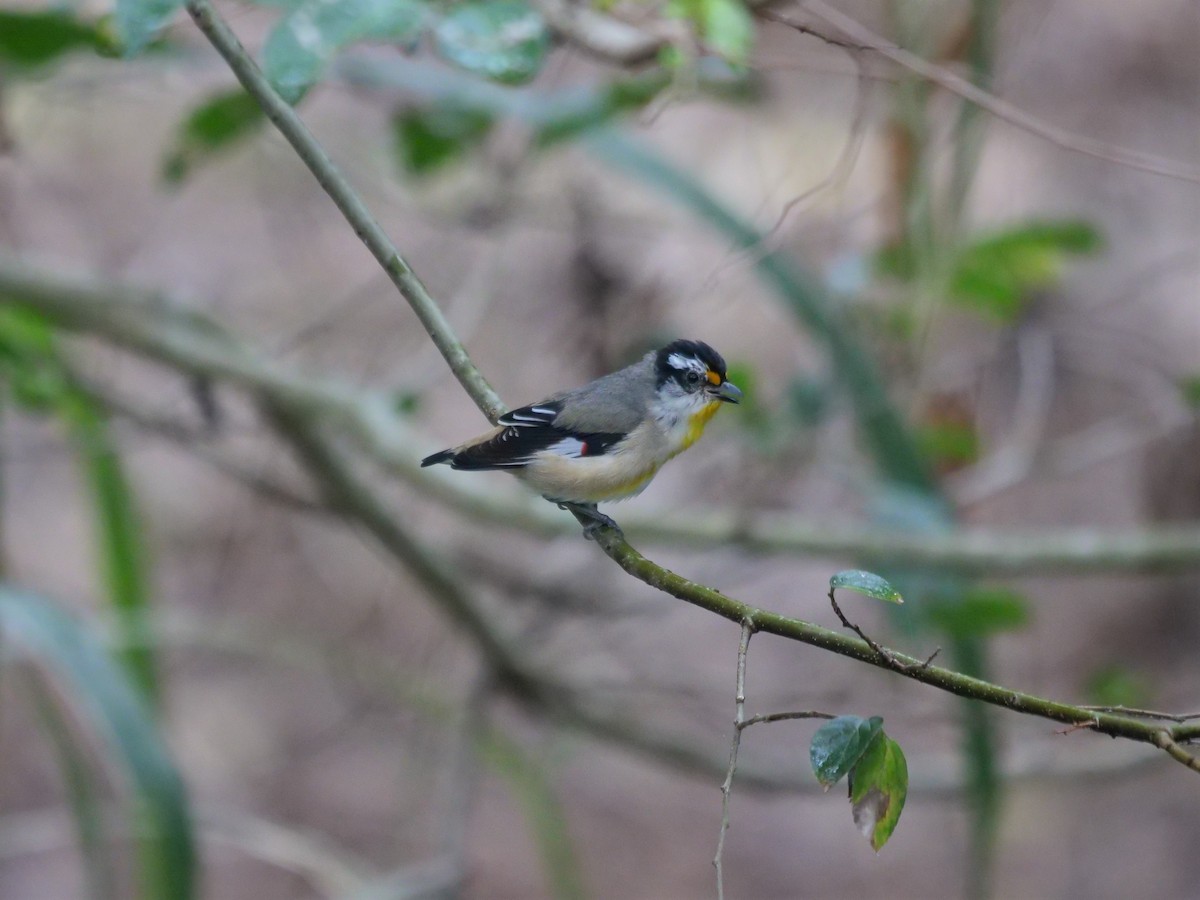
839	744
878	789
867	583
982	611
505	40
306	40
29	40
219	123
138	21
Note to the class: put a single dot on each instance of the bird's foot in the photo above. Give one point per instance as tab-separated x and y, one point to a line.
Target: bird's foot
596	519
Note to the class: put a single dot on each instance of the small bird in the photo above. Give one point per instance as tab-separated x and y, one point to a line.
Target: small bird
606	440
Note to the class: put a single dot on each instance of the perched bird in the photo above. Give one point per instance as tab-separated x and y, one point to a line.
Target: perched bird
605	440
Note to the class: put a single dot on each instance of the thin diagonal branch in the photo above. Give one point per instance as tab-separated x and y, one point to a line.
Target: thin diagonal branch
953	682
369	231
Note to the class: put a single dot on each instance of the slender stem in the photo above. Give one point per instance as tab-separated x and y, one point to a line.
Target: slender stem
739	719
369	231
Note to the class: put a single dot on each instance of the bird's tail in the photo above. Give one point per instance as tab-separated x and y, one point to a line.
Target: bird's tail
443	456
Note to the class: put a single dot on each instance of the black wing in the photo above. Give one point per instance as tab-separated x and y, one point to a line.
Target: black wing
526	432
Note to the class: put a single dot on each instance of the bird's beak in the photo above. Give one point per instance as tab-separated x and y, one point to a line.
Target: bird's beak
728	392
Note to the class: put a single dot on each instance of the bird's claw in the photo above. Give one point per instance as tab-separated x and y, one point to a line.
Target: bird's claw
596	519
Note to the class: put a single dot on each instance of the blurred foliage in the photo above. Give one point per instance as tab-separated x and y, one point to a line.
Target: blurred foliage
724	26
496	44
34	375
504	40
215	126
1189	387
981	612
310	35
1116	685
949	445
426	139
139	21
998	274
113	709
32	40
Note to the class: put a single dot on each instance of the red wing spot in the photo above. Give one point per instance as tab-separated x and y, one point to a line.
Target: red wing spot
583	449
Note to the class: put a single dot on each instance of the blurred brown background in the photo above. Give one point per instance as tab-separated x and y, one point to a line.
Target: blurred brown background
314	697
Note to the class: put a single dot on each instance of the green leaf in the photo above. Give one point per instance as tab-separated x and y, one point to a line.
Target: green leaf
504	40
27	362
305	41
867	583
999	274
83	789
878	789
725	26
138	21
29	40
119	538
981	611
109	704
217	125
839	744
427	139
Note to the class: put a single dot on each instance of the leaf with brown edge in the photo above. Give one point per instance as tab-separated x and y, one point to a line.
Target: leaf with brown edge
878	788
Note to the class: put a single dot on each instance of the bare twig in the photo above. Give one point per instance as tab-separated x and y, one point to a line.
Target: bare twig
861	37
739	718
886	656
764	718
1164	741
1145	713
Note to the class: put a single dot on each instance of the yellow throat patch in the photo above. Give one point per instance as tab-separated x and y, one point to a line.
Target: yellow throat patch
696	423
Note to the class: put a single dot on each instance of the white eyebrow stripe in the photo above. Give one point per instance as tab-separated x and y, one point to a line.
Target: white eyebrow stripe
683	363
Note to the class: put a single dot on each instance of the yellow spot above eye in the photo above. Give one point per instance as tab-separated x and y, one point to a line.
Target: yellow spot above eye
713	377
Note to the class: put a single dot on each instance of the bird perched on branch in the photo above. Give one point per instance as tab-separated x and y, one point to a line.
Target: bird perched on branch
606	440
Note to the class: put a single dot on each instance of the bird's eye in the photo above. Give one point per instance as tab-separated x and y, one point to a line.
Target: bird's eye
693	377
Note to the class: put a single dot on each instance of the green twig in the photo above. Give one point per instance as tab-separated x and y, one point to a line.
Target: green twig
947	680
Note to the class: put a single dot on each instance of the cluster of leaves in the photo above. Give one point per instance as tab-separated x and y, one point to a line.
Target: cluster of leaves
860	751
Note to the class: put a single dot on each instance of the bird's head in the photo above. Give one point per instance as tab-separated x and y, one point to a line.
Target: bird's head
694	370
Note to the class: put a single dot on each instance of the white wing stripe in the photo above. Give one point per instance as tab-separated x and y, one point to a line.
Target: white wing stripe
569	447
